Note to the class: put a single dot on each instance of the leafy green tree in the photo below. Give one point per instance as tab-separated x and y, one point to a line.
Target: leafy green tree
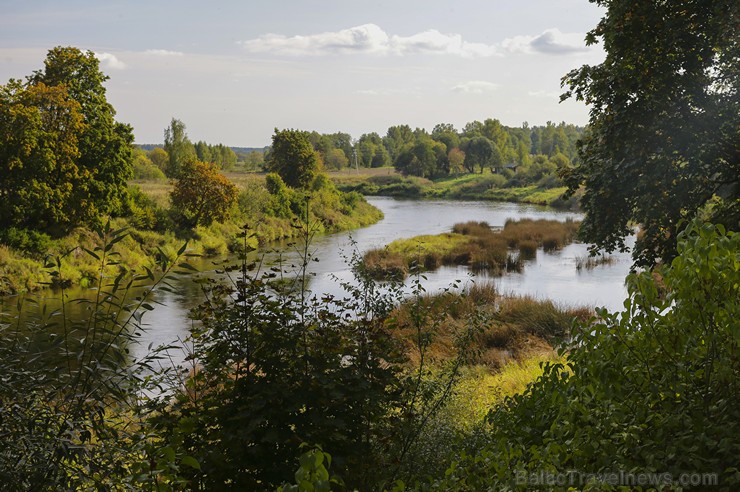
178	147
446	133
159	157
202	194
292	156
336	159
105	145
664	123
478	152
456	158
64	159
144	168
40	128
367	147
203	152
381	157
396	139
426	158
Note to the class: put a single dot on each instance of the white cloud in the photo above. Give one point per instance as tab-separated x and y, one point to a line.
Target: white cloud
110	61
163	53
371	39
551	41
367	38
475	87
437	43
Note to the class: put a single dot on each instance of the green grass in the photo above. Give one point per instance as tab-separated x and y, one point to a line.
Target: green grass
152	231
473	244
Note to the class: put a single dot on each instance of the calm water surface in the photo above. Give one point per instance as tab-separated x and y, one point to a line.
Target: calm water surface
548	276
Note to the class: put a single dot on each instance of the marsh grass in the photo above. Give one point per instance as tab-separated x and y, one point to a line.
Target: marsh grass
514	327
591	262
474	244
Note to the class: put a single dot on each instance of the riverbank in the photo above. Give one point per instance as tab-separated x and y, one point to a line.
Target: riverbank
153	233
473	186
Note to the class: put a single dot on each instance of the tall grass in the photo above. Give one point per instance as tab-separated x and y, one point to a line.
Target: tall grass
473	244
514	328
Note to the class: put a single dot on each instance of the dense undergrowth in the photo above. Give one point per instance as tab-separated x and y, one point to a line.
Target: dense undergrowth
427	392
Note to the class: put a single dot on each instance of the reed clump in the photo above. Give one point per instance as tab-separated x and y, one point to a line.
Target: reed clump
474	244
591	262
513	328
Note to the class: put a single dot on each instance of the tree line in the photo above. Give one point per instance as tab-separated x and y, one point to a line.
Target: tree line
446	150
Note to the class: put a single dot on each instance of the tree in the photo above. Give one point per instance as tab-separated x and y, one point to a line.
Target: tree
159	157
478	152
396	139
293	158
105	145
202	194
40	128
64	159
446	133
144	168
335	159
663	130
179	148
456	158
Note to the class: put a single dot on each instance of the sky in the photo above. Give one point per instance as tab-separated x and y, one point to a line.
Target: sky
233	71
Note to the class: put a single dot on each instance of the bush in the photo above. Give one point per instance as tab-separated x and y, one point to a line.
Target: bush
653	389
29	241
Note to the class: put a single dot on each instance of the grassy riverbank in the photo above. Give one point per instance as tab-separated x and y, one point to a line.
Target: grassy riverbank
153	231
473	244
473	186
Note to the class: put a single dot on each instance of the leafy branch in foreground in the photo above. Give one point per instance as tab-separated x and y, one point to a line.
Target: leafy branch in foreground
653	389
70	396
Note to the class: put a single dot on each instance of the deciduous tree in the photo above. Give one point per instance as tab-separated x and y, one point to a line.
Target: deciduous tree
293	158
179	148
64	160
202	194
663	132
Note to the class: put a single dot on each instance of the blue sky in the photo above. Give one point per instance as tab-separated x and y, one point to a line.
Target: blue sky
235	70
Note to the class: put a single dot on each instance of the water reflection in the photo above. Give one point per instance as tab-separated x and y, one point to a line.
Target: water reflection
549	275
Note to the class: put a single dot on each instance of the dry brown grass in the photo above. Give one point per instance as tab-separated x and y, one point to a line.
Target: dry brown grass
513	328
550	234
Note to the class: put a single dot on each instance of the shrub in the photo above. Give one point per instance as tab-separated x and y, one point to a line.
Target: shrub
651	389
30	241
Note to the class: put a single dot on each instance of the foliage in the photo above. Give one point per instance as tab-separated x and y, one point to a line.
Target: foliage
64	160
159	157
29	241
293	158
664	123
313	474
653	389
180	151
275	368
202	194
144	168
104	145
70	408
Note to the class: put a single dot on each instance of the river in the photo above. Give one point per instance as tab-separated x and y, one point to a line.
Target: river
548	276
